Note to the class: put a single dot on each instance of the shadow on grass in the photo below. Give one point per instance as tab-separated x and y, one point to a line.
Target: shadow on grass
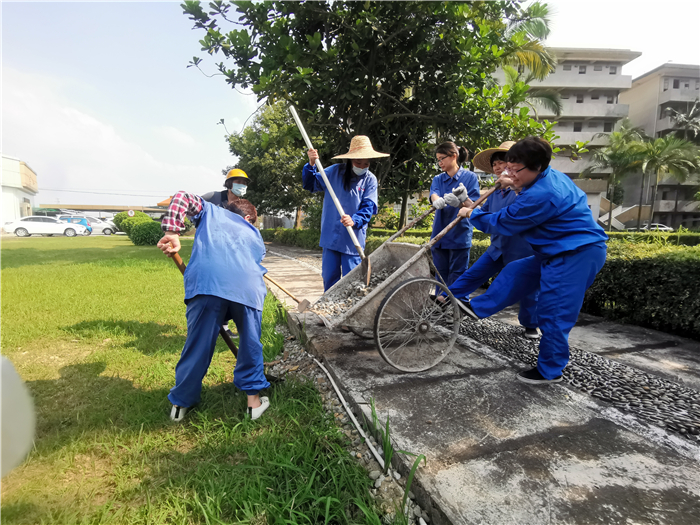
148	338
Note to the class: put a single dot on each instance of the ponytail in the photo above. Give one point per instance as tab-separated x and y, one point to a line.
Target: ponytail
451	149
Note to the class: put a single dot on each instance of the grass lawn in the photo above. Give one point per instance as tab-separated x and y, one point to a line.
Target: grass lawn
95	326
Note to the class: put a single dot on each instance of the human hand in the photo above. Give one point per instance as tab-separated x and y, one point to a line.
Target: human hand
439	203
452	199
468	203
465	212
504	180
346	221
461	192
169	244
313	156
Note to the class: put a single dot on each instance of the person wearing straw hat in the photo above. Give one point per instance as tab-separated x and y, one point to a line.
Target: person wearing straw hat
504	249
451	253
356	189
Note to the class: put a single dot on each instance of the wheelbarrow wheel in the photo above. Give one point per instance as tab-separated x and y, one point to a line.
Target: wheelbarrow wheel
363	333
414	332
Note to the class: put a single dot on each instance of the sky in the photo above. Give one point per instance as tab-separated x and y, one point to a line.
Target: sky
98	100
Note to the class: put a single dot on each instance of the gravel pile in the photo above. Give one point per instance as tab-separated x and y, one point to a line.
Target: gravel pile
388	490
658	401
342	300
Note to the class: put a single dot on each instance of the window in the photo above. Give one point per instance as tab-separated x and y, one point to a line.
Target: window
595	97
697	84
567	67
581	70
565	96
686	85
611	99
608	127
597	68
676	83
613	70
578	126
579	99
665	84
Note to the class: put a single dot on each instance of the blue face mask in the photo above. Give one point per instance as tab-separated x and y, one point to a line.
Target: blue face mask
359	171
238	189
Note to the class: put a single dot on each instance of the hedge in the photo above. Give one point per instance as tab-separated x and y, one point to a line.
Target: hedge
380	232
128	224
120	217
146	233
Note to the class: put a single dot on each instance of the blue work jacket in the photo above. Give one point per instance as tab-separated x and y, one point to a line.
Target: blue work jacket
512	247
226	258
360	203
459	237
551	214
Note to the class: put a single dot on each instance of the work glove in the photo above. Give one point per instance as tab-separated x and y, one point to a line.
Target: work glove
461	193
439	203
452	200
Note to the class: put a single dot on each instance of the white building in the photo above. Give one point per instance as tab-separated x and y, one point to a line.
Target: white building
19	187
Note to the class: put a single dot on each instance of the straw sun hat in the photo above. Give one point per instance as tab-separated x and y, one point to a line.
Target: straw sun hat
361	148
482	160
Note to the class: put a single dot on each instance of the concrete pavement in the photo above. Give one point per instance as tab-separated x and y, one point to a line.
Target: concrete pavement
503	452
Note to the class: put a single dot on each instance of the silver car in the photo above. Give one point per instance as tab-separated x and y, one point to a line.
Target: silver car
103	226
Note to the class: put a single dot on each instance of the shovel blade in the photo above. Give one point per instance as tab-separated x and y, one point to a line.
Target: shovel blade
303	306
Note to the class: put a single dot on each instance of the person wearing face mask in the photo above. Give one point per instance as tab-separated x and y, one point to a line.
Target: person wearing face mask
236	185
451	253
356	189
503	249
553	216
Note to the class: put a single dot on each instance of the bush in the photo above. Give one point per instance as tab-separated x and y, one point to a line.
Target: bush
653	286
303	238
146	233
313	213
120	217
129	223
678	238
477	236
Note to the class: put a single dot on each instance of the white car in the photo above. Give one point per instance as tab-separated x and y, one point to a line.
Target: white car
39	225
654	226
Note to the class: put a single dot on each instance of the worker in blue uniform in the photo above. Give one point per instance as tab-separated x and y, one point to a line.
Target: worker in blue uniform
451	253
223	280
356	189
503	249
552	214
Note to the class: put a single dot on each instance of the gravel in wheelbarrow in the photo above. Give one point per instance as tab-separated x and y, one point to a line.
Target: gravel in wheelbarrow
342	300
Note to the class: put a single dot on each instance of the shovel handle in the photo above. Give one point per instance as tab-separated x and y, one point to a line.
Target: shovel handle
329	188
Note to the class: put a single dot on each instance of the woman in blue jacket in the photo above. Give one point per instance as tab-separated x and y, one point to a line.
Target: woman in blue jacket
552	214
356	189
451	253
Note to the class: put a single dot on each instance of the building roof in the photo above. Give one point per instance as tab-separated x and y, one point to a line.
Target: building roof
623	56
669	68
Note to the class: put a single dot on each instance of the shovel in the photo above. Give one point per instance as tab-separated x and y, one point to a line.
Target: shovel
366	265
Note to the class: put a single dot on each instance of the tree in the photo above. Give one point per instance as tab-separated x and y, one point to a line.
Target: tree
272	154
621	156
688	122
403	73
531	30
522	93
667	156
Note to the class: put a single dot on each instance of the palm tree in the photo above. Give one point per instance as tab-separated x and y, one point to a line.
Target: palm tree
620	155
521	92
526	35
688	121
667	156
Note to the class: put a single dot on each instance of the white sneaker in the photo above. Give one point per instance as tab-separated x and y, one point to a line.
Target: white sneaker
255	413
177	413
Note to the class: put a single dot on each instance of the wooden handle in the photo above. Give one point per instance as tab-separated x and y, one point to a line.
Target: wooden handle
180	264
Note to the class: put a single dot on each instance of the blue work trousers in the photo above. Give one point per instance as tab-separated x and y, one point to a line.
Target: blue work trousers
333	263
563	281
481	271
450	264
205	315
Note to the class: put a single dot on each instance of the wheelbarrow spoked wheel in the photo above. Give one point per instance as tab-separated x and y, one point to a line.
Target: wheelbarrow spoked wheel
413	331
362	332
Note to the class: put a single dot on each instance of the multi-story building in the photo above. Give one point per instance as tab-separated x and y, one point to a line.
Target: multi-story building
651	99
19	187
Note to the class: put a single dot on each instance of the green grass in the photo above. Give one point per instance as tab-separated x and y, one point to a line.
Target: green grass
95	327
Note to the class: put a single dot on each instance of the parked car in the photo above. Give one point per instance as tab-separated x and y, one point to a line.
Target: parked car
74	219
654	226
104	226
36	225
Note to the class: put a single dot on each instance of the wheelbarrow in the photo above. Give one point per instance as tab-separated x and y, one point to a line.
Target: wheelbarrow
413	331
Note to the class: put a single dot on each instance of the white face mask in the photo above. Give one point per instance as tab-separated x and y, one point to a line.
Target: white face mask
359	171
238	189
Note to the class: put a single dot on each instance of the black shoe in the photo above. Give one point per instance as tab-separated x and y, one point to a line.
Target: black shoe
531	333
467	310
533	377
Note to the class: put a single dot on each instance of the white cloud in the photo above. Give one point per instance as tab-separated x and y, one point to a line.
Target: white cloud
71	149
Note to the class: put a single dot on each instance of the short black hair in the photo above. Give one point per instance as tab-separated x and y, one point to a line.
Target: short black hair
532	152
499	155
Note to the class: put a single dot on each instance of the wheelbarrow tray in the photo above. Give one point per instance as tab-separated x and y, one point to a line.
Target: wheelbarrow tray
410	261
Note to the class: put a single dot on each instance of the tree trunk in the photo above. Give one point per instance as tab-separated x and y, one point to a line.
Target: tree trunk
404	211
653	200
297	220
611	185
641	200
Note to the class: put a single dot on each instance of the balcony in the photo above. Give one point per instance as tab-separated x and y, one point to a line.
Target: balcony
588	81
684	206
563	163
679	95
664	123
585	110
571	137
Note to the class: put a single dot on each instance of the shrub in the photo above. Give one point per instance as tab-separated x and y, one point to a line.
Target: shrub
684	238
303	238
120	217
146	233
313	213
130	222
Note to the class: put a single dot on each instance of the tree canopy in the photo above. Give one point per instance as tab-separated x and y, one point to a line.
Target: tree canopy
407	74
